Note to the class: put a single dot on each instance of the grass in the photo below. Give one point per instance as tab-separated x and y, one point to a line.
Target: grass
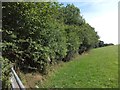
96	69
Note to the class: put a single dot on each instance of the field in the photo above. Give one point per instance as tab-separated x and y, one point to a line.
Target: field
96	69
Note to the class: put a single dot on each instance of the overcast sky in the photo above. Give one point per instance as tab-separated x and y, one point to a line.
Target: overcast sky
100	14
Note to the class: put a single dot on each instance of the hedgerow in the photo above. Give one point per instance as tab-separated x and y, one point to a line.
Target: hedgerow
38	34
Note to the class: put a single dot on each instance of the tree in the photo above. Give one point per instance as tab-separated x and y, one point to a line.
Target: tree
43	33
31	39
101	43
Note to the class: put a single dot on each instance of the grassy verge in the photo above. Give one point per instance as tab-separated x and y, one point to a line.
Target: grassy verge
97	69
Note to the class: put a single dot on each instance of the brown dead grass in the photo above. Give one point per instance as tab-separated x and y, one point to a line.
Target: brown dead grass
30	79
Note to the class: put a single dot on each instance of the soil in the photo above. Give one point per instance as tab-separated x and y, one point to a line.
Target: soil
31	79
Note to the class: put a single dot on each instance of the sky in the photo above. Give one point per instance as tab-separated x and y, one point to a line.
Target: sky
100	14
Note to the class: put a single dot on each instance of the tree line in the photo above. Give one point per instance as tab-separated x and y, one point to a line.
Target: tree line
102	44
40	34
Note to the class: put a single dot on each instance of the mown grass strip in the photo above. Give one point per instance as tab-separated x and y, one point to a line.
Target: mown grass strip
96	69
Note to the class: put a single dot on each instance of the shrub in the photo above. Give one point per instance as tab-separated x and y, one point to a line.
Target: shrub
5	72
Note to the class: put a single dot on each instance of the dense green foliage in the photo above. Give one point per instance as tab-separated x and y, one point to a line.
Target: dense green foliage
96	69
5	66
31	38
38	34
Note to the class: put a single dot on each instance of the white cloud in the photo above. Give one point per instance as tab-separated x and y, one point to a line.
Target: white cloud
107	26
105	21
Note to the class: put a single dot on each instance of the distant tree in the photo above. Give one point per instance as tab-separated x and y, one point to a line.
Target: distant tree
108	44
101	43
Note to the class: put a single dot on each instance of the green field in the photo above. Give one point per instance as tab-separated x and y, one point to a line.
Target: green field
96	69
